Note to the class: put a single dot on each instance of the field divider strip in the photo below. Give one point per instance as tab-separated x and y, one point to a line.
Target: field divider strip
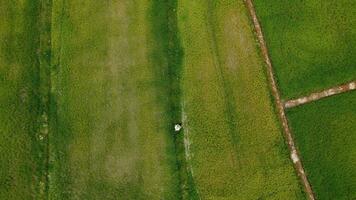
347	87
294	154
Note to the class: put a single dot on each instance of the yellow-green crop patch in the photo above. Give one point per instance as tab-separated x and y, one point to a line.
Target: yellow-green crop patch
312	43
113	137
325	133
236	149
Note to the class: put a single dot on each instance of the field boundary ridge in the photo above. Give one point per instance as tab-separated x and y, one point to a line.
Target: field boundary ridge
339	89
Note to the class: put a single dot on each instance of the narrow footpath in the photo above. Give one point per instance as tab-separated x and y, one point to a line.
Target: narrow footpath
347	87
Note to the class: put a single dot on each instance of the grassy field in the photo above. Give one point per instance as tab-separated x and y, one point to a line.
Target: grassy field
235	146
325	134
114	132
311	42
23	154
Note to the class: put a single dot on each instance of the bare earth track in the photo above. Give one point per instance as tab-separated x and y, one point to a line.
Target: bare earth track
319	95
280	107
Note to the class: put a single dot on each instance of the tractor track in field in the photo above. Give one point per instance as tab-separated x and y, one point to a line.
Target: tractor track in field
279	105
188	154
347	87
230	109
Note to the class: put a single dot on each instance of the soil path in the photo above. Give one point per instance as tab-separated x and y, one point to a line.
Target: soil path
322	94
279	105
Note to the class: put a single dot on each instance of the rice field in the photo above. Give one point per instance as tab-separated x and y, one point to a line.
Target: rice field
325	134
236	145
90	92
311	43
112	137
22	159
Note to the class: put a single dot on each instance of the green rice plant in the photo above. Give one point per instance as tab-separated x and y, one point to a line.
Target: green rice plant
311	43
325	135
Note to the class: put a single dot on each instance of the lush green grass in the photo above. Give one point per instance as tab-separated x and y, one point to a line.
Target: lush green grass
22	152
311	42
113	135
236	149
325	132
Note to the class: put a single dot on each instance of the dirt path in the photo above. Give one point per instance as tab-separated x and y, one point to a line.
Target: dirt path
280	107
322	94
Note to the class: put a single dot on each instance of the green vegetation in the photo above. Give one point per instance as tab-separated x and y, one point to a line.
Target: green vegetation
90	92
235	146
325	135
163	18
115	102
23	153
311	42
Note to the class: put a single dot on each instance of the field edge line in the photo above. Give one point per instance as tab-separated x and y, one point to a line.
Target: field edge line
294	154
315	96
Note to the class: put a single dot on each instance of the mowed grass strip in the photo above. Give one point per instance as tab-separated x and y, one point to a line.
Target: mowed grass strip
236	146
325	133
21	150
311	43
113	136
